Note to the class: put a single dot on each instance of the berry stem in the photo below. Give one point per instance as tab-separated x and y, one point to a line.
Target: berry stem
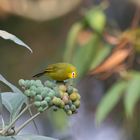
4	131
28	121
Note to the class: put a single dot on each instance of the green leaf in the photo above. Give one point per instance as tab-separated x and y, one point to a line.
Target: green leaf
6	35
87	52
110	100
13	102
100	56
14	88
132	95
27	137
71	40
96	19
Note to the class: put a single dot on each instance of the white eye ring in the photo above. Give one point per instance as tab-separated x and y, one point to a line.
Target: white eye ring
73	74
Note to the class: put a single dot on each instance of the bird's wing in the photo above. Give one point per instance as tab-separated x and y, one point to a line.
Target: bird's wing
51	68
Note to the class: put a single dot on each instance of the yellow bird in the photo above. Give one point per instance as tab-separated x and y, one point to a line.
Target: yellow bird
59	71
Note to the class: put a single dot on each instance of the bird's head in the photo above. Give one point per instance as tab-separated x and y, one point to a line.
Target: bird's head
72	73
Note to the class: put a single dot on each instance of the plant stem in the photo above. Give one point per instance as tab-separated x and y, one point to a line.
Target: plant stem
35	125
13	122
26	123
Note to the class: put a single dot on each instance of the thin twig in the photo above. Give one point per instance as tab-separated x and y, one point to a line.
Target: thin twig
26	123
35	125
13	122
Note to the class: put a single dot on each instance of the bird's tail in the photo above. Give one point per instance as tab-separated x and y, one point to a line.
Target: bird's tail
40	74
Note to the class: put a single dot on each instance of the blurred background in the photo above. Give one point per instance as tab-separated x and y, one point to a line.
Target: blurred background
101	38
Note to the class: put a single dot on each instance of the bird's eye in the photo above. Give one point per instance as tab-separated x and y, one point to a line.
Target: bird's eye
73	74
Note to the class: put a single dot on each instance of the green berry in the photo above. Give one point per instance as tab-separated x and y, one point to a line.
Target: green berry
46	89
69	112
27	93
37	103
70	102
39	90
40	109
50	103
49	84
32	93
62	104
73	96
77	103
38	83
56	91
27	83
44	94
70	89
78	96
57	94
75	90
56	101
62	88
44	104
38	98
21	82
61	93
66	94
51	94
33	88
32	82
73	107
67	107
48	99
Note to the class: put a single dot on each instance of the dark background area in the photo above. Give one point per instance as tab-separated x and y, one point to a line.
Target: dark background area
47	38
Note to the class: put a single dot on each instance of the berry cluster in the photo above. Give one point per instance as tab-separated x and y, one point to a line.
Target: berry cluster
50	94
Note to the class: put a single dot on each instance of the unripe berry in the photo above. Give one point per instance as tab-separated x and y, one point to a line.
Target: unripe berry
37	103
32	93
78	96
33	88
51	94
62	88
27	93
48	99
73	96
44	94
70	89
49	84
56	101
67	107
38	98
75	90
38	83
39	90
77	103
44	104
73	108
69	112
21	82
62	104
40	109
